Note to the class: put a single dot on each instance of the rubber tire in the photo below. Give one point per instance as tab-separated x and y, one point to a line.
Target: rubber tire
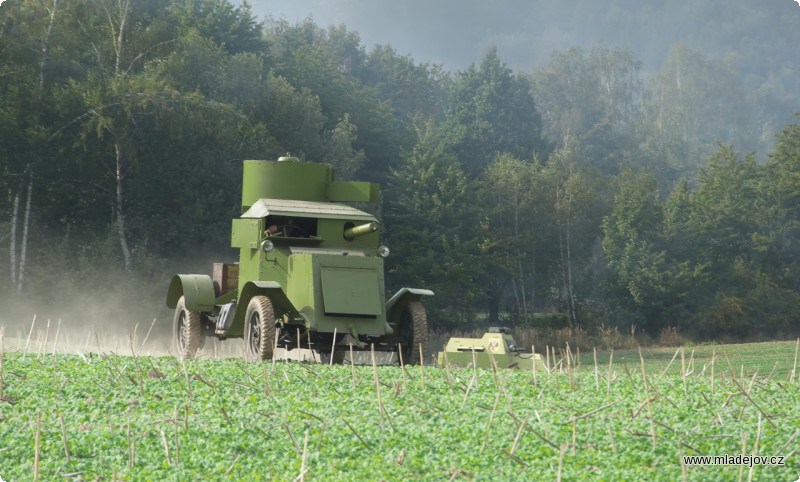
413	332
187	330
259	329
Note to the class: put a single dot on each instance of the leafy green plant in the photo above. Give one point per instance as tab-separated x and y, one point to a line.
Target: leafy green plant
612	417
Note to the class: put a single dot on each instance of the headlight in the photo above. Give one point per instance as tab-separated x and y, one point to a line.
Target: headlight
267	245
383	251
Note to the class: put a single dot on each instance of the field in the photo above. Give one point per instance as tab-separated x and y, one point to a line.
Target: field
89	416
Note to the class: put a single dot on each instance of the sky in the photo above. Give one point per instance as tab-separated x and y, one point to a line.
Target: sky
455	33
438	36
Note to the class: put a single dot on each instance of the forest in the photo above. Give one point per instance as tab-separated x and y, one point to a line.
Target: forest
581	193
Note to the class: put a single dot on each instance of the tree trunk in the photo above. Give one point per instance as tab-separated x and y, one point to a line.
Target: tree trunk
119	39
12	251
26	222
566	255
123	238
571	292
494	306
46	46
524	306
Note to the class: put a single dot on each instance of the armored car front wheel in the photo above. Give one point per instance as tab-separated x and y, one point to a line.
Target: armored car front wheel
259	328
187	333
413	332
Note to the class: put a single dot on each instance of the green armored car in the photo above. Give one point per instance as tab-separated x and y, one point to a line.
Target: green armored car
310	273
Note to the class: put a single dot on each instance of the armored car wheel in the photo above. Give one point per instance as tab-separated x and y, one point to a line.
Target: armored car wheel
412	332
259	328
187	333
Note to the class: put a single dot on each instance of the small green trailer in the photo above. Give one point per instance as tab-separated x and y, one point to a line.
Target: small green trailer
496	348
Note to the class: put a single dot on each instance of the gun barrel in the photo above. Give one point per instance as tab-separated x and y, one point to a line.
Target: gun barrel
356	231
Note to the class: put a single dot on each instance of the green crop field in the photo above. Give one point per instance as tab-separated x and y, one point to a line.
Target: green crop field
110	417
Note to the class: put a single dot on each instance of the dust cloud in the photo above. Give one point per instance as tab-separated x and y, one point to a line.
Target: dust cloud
100	310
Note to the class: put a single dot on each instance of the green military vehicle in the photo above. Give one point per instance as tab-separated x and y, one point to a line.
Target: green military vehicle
496	348
310	273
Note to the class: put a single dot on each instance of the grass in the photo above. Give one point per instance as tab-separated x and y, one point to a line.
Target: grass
775	359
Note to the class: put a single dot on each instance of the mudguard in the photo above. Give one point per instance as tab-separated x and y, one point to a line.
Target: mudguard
272	289
197	290
403	295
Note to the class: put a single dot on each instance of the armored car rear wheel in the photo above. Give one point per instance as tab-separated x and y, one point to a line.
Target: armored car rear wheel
259	329
187	335
413	332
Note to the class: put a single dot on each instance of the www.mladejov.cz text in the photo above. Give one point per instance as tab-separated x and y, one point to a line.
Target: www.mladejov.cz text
748	460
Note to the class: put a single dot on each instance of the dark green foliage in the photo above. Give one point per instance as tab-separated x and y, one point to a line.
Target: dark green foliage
706	260
496	112
234	28
434	227
577	189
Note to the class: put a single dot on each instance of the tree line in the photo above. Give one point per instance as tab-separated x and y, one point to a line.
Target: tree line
579	189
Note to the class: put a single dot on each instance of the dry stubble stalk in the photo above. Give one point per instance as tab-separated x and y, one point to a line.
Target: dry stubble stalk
664	372
64	435
713	360
233	464
489	423
561	451
333	346
37	447
474	366
303	468
353	366
131	446
574	435
683	371
147	335
647	400
376	380
519	434
613	442
55	342
43	346
744	452
400	356
166	447
177	438
557	369
756	447
422	367
447	369
267	391
28	342
275	347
